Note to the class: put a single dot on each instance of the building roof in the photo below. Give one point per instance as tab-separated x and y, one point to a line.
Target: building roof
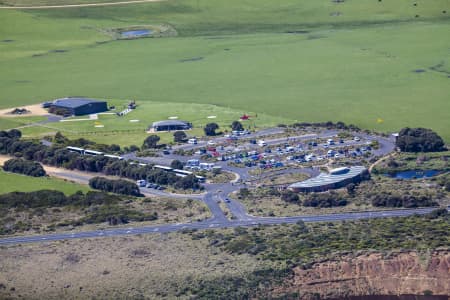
74	102
325	179
170	123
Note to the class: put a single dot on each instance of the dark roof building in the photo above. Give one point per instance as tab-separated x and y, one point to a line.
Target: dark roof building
337	178
79	106
170	125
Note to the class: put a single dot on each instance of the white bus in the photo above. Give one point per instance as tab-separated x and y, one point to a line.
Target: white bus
75	149
92	152
164	168
114	156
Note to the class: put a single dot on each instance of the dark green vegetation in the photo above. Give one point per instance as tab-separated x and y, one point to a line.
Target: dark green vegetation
210	129
92	207
300	60
179	137
25	167
419	140
414	161
385	192
151	142
59	156
119	186
299	245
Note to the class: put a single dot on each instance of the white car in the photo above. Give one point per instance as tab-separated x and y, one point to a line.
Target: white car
211	143
356	139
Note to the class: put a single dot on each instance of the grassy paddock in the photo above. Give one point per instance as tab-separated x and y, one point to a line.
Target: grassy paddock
357	67
51	2
14	182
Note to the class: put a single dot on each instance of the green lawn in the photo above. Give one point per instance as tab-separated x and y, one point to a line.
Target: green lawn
356	67
51	2
9	123
10	182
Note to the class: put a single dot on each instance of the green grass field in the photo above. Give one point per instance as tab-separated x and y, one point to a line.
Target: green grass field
355	61
51	2
10	182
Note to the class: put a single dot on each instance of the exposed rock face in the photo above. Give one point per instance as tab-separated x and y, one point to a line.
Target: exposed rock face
374	273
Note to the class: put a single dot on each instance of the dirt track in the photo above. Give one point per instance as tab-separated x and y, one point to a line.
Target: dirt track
79	5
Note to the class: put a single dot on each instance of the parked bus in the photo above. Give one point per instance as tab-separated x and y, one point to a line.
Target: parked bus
75	149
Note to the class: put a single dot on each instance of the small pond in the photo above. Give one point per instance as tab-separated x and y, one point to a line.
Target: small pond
135	33
414	174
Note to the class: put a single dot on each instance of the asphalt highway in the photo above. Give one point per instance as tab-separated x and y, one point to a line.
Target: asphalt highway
211	224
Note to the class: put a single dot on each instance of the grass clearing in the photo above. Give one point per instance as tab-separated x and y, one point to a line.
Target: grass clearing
10	182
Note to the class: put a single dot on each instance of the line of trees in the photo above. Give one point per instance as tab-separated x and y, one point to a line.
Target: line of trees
59	156
118	186
26	167
51	198
328	124
402	200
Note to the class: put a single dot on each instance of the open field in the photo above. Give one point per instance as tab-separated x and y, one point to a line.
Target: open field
10	182
356	67
38	3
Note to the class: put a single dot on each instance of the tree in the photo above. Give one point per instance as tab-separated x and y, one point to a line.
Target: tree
21	166
244	193
151	142
60	138
290	196
176	164
15	134
134	148
210	129
419	140
237	126
351	188
179	137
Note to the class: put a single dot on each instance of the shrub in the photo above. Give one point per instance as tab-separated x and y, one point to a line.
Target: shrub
118	186
29	168
419	140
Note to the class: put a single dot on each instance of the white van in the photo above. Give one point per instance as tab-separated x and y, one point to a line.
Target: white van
262	143
192	141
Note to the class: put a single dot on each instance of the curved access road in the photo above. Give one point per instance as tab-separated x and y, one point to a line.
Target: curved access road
80	5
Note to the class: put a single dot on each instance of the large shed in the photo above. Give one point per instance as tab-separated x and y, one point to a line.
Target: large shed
337	178
169	125
79	106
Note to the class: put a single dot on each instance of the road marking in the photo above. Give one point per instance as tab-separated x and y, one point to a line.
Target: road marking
156	229
129	231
